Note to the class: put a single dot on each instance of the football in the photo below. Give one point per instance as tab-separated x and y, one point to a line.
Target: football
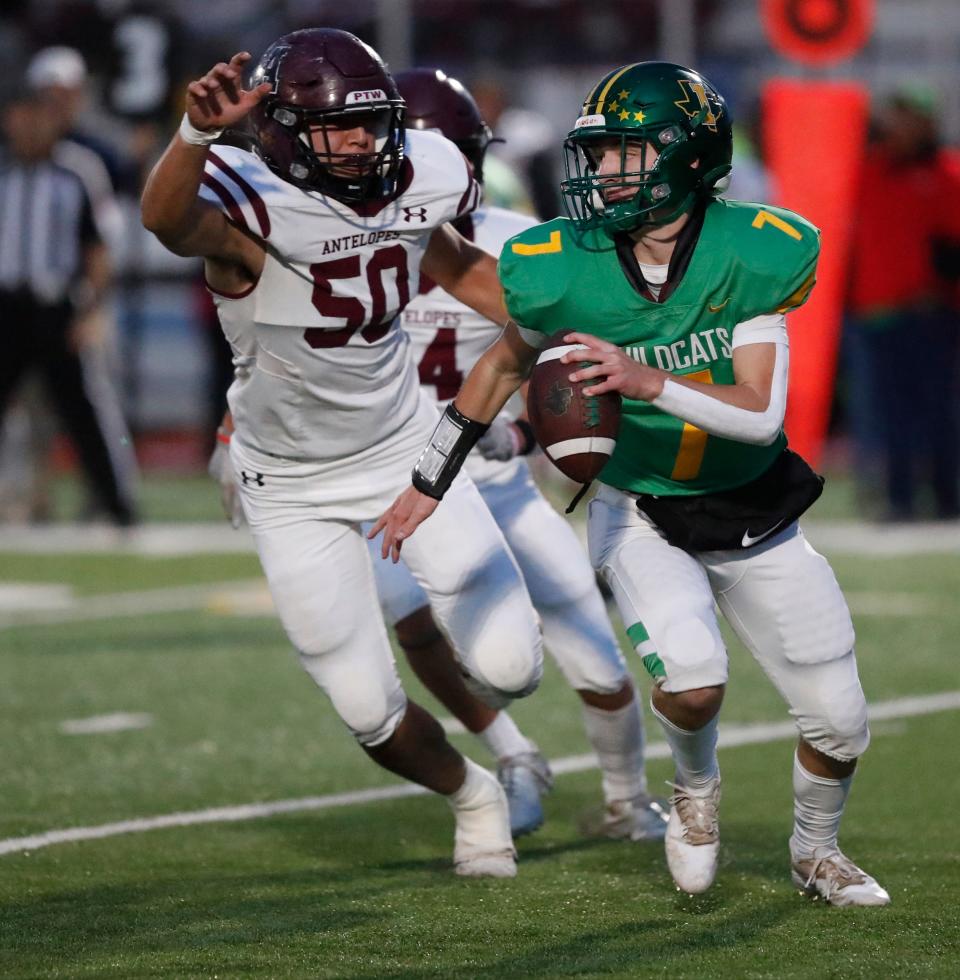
578	433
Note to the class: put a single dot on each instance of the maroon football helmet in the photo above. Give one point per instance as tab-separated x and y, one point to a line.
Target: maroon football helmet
320	78
436	101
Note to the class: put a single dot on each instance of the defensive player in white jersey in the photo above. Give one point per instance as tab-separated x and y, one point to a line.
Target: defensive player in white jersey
324	230
447	338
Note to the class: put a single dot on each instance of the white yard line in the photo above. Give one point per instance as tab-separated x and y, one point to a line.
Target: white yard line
172	539
730	737
238	597
116	721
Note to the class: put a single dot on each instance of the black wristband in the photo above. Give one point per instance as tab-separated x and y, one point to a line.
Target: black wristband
529	439
452	439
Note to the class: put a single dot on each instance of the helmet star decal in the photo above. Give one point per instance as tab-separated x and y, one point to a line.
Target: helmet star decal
693	107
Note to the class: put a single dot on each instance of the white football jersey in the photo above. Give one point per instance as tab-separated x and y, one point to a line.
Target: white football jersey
235	312
447	338
332	375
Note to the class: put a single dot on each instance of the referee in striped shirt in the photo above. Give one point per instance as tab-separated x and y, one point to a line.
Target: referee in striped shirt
54	273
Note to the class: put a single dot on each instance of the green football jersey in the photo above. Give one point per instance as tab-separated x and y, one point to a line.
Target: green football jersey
749	260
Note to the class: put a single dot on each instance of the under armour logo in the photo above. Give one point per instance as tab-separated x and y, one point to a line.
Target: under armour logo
255	478
419	213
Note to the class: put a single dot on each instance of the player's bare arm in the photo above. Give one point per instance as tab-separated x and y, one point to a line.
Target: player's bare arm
466	272
499	372
170	207
492	380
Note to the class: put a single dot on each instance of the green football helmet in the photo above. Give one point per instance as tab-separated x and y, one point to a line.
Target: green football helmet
668	107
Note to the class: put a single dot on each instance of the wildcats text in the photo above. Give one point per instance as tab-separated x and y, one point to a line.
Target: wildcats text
702	347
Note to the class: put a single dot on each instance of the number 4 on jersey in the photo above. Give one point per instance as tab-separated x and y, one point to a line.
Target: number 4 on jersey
438	366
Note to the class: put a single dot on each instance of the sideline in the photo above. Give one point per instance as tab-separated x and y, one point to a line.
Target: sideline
730	737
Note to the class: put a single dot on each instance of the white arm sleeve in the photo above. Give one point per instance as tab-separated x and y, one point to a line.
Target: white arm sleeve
771	328
719	419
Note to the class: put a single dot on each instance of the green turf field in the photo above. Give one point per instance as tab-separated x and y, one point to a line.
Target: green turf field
365	890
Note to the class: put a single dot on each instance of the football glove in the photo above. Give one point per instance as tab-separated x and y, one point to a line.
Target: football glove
221	470
504	440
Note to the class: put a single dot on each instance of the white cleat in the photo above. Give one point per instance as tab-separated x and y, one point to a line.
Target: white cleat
483	847
832	876
642	818
525	778
693	838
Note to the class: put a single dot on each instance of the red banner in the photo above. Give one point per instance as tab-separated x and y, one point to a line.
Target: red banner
814	135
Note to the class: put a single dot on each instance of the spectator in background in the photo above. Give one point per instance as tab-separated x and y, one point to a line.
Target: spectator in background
750	179
903	338
54	277
58	75
526	143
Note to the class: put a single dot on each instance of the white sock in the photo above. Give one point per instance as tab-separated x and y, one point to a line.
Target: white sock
694	753
475	789
503	738
617	738
818	803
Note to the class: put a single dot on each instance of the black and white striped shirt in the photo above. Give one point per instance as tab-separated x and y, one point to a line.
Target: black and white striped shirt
46	220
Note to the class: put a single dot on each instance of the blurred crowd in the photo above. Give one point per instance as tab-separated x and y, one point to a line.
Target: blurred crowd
95	92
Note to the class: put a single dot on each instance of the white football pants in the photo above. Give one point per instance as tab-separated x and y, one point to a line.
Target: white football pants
780	597
319	571
557	573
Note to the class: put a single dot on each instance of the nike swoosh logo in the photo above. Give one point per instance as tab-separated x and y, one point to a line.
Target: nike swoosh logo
751	539
717	309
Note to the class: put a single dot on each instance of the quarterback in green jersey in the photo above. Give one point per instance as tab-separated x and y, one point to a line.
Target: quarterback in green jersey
676	299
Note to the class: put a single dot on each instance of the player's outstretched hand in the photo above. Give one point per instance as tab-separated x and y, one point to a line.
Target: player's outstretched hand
405	515
219	98
616	369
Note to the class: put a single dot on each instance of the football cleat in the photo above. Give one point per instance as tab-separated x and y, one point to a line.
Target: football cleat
829	874
642	818
482	846
525	778
693	838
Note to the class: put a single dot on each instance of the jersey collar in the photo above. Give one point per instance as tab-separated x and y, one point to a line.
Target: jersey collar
679	261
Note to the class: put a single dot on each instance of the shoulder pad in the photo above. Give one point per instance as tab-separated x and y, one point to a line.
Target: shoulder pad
776	248
245	188
768	236
548	238
531	270
440	172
